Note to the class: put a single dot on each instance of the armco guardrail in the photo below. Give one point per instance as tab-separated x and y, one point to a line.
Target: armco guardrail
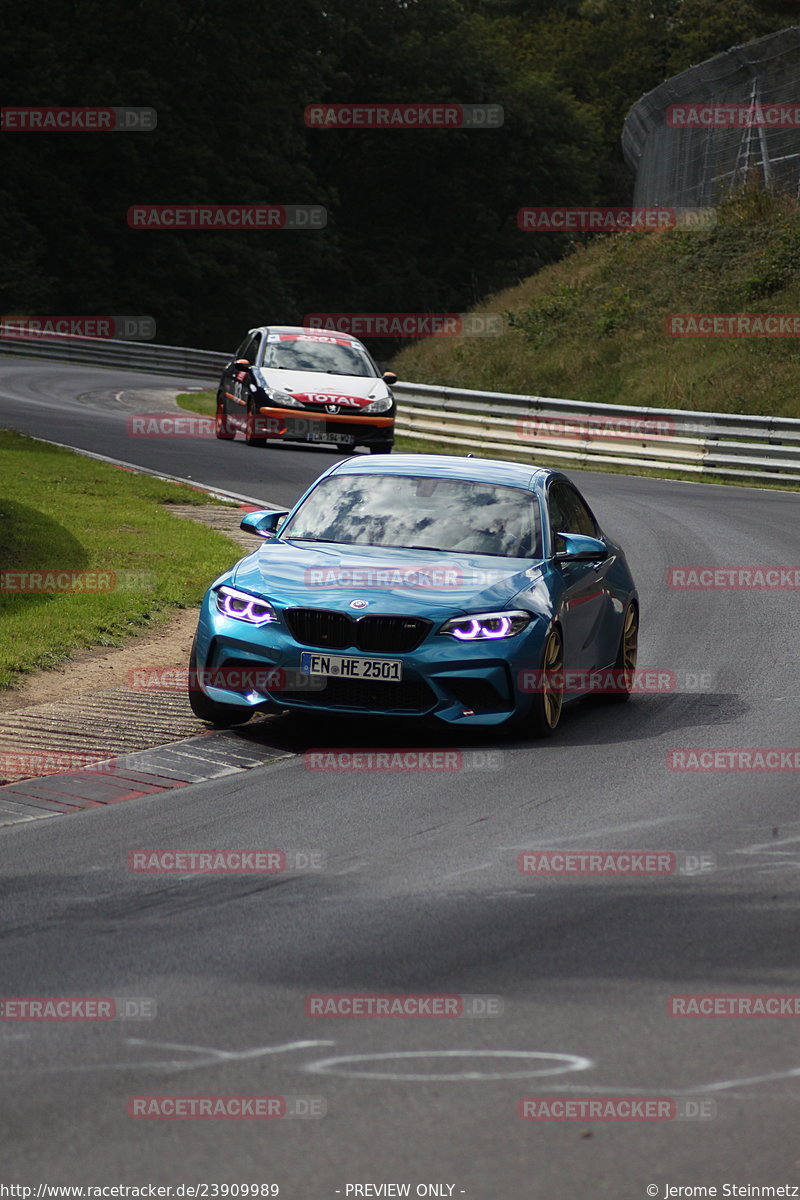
111	352
572	432
585	434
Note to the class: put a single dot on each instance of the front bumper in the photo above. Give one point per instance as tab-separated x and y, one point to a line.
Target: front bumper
448	681
307	425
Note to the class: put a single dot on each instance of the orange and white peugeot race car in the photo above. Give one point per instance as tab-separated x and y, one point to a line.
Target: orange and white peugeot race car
288	383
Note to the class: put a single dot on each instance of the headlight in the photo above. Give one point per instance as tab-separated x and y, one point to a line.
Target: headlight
486	626
283	398
382	405
244	607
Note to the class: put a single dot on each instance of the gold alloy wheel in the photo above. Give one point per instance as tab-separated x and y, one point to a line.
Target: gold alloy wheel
553	690
629	650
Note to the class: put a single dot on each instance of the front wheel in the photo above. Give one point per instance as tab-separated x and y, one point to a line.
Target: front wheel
627	656
221	428
549	699
251	427
222	715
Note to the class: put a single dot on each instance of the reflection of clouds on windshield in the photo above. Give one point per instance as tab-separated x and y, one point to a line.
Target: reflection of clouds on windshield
316	356
387	510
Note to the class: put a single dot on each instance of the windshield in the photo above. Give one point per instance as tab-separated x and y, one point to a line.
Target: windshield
412	511
289	352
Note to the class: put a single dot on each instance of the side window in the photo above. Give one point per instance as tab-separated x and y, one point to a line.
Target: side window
568	513
249	348
580	519
558	516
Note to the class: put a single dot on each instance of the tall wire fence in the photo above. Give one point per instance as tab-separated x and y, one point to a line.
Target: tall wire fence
720	125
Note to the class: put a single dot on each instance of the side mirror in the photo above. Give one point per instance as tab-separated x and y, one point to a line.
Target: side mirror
264	522
241	362
577	547
389	377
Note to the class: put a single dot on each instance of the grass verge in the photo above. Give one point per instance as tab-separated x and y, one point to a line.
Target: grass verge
592	327
198	402
62	512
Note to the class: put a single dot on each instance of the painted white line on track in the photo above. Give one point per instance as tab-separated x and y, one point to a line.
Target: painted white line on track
340	1065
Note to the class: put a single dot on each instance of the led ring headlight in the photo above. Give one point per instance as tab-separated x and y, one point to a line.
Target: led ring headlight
486	626
244	607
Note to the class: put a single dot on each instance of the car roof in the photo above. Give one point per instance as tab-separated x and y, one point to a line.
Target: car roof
481	470
307	331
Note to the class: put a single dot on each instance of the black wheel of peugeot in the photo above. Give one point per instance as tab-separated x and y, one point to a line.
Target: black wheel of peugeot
251	425
627	657
223	715
221	427
381	448
549	699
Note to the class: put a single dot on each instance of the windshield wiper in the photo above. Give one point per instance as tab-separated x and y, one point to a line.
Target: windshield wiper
398	546
328	541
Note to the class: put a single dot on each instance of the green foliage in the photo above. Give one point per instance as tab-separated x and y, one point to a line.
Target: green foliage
417	221
595	326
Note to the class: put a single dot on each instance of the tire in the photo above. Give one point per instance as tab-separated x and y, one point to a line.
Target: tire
626	656
250	435
221	427
381	448
546	709
222	715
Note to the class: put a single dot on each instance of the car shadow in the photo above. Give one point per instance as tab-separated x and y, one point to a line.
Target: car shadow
583	723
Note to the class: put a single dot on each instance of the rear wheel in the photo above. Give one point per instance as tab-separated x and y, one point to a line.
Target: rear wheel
548	701
381	448
627	656
251	427
223	715
221	427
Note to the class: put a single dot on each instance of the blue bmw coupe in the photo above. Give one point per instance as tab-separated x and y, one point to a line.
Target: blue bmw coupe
469	591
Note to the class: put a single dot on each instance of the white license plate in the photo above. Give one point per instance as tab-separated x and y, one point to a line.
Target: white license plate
350	667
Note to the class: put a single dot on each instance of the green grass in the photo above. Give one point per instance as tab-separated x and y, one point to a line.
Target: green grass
591	327
198	402
62	511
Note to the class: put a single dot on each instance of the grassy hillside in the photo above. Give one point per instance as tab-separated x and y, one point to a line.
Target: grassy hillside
592	327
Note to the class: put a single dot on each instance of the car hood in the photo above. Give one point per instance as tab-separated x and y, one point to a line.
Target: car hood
314	575
309	384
